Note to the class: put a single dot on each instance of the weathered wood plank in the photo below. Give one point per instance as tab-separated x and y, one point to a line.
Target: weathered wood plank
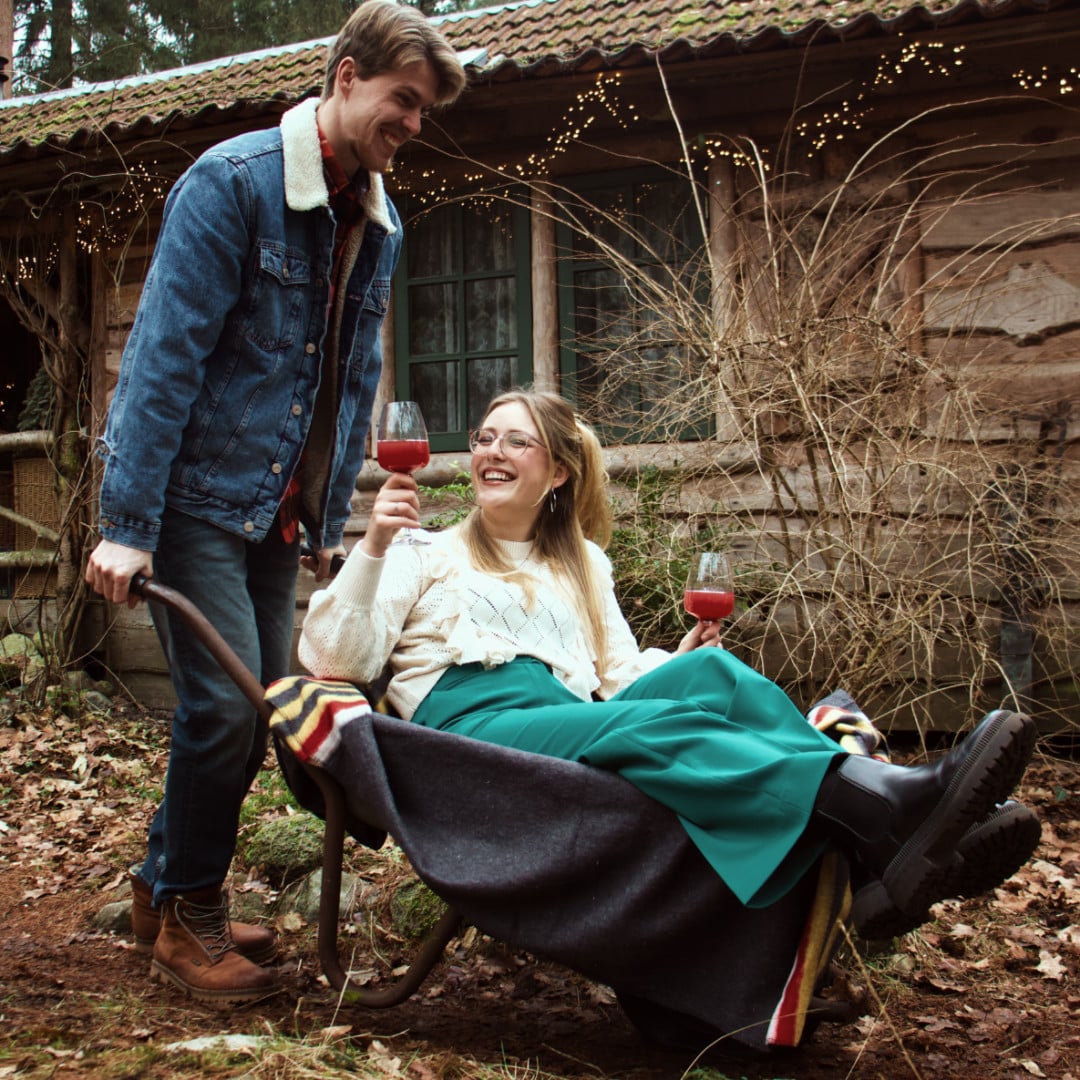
1026	301
1003	219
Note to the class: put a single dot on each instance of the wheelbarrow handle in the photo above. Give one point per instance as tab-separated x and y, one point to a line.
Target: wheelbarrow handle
149	589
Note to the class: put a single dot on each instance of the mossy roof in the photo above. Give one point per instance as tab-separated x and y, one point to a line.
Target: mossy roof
521	39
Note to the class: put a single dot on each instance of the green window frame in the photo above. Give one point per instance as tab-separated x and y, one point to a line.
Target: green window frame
462	311
617	347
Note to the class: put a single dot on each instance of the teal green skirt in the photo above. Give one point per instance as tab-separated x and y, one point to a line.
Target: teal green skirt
703	734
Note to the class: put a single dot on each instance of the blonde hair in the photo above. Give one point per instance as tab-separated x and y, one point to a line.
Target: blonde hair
578	510
384	35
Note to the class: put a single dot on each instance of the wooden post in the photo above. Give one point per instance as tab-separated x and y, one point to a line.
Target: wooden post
67	372
387	388
99	341
723	258
545	292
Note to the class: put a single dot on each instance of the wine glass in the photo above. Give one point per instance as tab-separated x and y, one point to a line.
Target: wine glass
710	587
401	444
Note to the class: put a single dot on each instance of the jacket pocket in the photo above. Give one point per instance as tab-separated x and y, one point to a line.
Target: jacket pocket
377	299
364	337
279	289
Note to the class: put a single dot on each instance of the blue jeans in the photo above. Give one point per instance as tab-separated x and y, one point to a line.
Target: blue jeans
248	593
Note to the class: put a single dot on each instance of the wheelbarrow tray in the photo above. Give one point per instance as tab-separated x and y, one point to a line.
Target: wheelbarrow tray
569	862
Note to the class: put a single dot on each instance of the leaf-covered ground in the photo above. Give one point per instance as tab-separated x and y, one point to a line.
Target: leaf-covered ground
990	989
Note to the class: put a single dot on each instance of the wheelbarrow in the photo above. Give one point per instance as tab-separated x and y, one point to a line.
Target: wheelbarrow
560	859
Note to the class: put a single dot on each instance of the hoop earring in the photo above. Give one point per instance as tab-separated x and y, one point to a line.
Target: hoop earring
551	501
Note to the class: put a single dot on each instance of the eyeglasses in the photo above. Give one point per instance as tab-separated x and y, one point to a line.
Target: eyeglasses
513	443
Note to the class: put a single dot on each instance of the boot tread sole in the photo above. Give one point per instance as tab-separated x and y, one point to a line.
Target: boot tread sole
236	997
987	855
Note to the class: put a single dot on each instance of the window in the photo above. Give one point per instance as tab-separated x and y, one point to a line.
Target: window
463	322
631	272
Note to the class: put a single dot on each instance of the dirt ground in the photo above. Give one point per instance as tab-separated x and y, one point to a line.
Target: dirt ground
990	989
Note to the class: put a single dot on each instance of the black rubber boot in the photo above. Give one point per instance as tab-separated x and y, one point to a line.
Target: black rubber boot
990	852
903	824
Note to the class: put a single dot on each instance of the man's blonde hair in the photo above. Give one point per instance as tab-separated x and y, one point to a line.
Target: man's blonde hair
383	35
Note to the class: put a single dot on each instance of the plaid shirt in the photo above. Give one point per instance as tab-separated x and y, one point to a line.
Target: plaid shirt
347	205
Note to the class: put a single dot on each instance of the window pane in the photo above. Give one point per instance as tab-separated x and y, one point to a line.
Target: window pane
433	244
601	307
607	386
484	380
603	215
665	215
434	387
490	314
487	235
433	320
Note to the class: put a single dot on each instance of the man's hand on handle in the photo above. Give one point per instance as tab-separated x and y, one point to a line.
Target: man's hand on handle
112	566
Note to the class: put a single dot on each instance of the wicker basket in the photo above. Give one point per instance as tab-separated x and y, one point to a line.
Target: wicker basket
36	499
34	584
7	498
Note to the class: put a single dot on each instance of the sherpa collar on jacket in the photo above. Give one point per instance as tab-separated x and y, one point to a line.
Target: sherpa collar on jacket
305	185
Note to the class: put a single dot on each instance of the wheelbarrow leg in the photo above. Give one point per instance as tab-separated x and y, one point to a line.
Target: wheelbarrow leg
430	951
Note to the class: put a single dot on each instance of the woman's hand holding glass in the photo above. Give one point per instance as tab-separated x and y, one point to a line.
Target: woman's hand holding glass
396	507
709	596
401	445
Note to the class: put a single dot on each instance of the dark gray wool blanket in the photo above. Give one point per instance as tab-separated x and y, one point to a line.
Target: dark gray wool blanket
570	863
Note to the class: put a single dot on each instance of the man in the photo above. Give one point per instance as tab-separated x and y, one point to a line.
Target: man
242	406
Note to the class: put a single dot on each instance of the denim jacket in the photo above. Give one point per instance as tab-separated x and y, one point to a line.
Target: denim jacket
218	378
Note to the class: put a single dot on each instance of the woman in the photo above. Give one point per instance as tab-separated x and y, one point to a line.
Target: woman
506	629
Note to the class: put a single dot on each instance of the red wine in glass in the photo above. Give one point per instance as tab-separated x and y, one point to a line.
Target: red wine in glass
707	605
401	444
710	588
403	455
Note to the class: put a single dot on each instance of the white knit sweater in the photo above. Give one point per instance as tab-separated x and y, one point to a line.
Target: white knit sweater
423	608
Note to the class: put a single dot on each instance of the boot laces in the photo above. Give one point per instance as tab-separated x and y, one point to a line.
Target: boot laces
209	925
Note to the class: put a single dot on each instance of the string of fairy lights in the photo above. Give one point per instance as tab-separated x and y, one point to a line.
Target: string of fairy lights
851	115
588	106
104	223
1064	82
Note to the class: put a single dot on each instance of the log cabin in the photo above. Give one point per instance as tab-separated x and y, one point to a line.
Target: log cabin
813	268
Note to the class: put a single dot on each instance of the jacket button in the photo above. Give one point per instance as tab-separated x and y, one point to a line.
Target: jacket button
296	410
309	348
276	467
249	526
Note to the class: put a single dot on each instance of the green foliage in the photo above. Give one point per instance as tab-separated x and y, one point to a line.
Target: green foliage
269	794
60	44
651	549
37	410
456	497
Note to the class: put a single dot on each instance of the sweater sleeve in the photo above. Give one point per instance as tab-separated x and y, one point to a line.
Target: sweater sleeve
625	661
352	626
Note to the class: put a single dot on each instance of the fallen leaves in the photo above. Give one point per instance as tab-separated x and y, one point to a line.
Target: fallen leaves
81	791
1050	966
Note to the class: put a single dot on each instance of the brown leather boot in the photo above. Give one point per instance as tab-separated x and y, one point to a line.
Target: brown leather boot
195	951
257	943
